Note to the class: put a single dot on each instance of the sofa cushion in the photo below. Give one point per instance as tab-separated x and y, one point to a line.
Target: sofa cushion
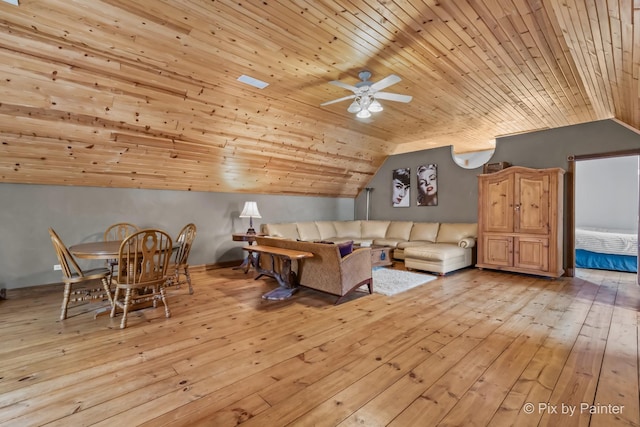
454	232
288	230
326	229
308	231
403	245
347	228
425	231
399	230
374	229
435	252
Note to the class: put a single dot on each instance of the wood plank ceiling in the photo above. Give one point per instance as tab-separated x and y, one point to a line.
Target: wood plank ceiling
144	94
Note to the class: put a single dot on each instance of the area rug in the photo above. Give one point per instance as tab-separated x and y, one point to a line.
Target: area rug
388	281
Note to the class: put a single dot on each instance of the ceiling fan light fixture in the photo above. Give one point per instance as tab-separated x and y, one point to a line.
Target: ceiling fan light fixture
354	107
375	106
365	92
363	114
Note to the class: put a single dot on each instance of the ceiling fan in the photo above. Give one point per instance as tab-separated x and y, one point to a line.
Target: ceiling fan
366	94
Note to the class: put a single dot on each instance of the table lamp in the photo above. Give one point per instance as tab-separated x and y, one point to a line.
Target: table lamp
250	211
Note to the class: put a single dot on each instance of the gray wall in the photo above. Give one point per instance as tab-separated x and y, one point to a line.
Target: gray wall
458	188
607	193
81	214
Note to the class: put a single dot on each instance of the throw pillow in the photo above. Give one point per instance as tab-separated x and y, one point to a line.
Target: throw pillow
345	248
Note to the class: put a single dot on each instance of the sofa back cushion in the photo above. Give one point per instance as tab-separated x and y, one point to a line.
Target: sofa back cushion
326	229
399	230
288	230
348	229
454	232
374	229
308	231
424	231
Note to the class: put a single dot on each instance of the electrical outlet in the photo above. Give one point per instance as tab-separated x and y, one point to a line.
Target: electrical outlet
57	267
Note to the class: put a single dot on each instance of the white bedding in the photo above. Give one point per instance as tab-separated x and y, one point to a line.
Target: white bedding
607	242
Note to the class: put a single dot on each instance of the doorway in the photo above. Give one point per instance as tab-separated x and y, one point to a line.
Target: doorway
598	186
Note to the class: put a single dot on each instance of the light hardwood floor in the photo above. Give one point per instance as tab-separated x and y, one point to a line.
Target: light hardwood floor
473	348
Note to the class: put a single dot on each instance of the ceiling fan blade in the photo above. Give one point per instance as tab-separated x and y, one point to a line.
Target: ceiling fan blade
344	98
386	82
393	97
344	85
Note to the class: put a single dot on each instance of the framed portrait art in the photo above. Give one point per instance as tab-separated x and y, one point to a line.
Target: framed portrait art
428	185
401	187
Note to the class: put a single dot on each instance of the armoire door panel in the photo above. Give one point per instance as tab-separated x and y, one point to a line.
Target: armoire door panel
497	206
532	203
498	250
531	253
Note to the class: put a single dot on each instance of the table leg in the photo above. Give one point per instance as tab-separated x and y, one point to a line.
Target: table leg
286	278
247	263
287	282
107	290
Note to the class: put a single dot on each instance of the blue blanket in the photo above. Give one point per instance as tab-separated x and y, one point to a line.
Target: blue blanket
588	259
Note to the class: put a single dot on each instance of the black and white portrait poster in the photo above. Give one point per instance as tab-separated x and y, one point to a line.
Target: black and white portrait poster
401	185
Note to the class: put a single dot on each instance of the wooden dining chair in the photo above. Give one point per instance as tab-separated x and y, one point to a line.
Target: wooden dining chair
118	231
142	272
181	266
73	275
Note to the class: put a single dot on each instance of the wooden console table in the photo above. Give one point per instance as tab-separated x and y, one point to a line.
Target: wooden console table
286	278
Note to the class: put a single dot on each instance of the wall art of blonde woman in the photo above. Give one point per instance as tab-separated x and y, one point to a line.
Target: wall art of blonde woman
428	185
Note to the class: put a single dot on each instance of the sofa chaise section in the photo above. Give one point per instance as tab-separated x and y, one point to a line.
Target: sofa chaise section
453	249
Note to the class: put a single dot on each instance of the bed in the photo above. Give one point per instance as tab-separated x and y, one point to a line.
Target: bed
606	249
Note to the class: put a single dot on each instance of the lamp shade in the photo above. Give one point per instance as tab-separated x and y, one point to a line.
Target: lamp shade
355	106
375	106
250	210
363	114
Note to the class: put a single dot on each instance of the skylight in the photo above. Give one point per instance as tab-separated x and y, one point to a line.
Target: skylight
253	82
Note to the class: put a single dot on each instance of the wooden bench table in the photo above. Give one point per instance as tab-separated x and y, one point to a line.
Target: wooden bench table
287	279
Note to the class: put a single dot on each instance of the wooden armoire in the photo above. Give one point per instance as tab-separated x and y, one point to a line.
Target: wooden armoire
520	220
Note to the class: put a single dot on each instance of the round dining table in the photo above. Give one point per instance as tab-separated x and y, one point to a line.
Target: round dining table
102	250
96	250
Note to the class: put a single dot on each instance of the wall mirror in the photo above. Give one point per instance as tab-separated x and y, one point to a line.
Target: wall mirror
474	159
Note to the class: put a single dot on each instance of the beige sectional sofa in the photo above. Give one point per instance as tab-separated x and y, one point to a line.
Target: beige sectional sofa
430	246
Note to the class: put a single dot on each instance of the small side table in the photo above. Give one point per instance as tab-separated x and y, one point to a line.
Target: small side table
248	261
381	256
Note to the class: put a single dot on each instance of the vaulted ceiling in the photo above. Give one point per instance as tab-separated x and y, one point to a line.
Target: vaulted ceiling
144	94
